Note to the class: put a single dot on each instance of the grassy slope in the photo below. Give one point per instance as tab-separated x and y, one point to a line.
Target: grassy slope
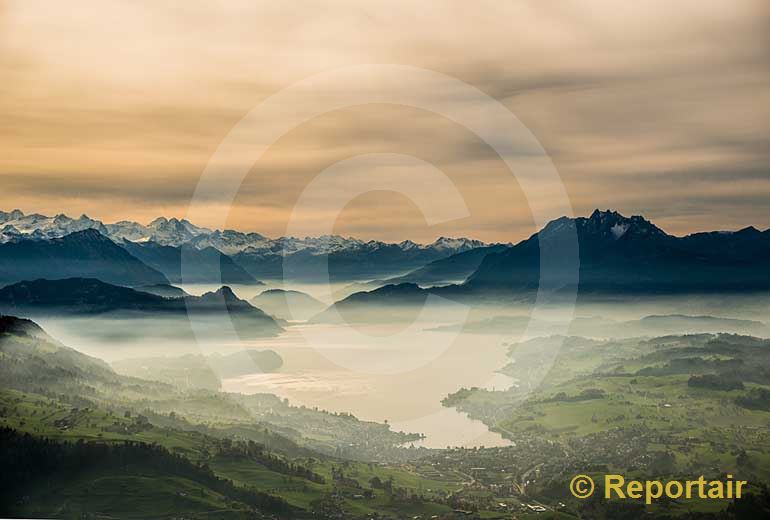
44	416
117	496
62	394
705	430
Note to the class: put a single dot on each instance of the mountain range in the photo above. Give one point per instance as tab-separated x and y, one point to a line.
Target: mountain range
630	255
86	253
175	232
452	269
83	296
229	256
199	266
614	254
617	256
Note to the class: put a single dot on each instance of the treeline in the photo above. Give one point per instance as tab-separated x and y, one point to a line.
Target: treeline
34	374
715	382
755	399
26	460
257	453
748	360
586	395
458	397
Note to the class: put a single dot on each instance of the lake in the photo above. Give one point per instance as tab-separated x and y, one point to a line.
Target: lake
402	382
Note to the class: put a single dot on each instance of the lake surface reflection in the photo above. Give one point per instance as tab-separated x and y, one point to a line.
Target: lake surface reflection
409	400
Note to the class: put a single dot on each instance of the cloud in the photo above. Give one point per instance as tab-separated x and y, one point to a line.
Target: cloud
655	108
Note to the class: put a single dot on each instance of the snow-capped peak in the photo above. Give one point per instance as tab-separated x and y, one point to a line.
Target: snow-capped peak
175	232
408	245
41	226
456	244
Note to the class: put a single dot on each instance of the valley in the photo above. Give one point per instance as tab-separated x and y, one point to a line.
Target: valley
297	399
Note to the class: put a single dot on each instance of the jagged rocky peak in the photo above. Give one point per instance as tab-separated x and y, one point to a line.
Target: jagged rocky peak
458	244
11	215
607	224
177	232
614	225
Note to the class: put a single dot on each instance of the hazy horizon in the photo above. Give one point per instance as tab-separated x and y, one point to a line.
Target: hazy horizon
424	241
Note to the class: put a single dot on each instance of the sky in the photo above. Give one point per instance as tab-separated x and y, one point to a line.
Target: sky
659	108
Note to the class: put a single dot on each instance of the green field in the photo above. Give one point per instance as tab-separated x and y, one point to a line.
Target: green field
113	446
